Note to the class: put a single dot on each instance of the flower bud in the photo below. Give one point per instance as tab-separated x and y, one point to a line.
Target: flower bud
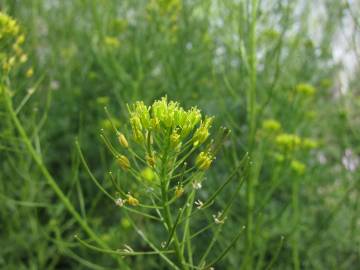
204	160
122	140
132	200
150	160
174	139
202	133
179	190
123	162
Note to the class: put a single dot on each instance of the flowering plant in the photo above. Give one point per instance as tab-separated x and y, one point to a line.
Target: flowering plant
168	153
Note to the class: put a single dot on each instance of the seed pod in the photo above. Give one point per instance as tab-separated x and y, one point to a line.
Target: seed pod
123	162
122	140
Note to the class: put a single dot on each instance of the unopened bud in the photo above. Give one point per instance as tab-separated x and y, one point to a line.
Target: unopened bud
122	140
203	161
179	190
150	160
175	139
132	200
123	162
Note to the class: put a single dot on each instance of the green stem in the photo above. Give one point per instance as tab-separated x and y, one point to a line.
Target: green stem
186	236
251	112
295	240
164	179
251	96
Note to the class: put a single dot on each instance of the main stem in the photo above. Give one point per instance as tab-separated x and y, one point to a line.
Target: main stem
295	241
251	113
164	179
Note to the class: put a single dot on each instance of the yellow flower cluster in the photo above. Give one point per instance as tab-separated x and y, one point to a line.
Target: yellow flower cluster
163	136
168	119
11	39
293	141
305	89
288	141
271	125
111	42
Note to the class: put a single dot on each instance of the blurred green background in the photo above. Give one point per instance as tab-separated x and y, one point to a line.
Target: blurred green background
301	61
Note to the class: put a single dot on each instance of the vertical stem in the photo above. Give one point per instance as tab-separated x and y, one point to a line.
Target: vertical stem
187	237
251	95
164	180
251	114
295	206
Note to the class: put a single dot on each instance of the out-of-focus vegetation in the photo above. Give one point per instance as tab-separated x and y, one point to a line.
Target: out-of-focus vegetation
265	69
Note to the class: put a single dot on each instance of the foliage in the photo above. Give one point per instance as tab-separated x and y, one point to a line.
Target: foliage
266	70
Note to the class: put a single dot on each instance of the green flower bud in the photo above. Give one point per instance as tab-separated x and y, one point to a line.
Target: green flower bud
150	160
204	160
122	140
179	191
202	133
174	139
123	162
132	200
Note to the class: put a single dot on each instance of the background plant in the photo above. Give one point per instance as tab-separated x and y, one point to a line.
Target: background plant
88	54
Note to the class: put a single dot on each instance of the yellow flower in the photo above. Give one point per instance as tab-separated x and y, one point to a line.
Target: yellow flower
132	200
204	160
288	141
